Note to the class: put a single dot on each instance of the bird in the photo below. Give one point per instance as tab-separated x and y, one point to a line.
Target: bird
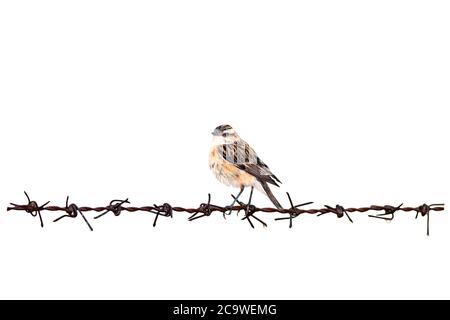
234	163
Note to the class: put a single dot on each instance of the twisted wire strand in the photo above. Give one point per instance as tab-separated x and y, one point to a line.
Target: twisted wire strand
206	209
215	208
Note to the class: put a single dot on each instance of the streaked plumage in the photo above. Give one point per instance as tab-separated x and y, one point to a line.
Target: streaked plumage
236	164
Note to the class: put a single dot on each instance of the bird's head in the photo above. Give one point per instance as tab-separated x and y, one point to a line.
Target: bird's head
224	134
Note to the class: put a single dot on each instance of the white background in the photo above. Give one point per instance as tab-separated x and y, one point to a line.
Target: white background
345	101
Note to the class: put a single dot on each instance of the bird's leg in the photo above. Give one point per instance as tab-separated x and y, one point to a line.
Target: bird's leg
245	217
250	211
249	202
235	198
247	210
250	214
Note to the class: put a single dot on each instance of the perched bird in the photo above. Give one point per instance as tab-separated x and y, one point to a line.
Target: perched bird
236	164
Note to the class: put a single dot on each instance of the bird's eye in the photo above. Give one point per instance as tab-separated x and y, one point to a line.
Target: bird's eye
224	134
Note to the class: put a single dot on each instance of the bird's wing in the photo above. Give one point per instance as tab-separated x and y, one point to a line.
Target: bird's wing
241	155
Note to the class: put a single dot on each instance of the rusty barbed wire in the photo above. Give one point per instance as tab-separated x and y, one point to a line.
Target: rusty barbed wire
206	209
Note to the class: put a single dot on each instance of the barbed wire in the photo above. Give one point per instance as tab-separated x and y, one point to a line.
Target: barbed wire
116	207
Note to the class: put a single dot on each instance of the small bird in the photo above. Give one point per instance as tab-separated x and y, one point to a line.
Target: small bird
236	164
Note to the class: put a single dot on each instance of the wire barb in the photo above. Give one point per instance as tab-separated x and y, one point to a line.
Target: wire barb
115	206
32	208
339	211
204	209
294	211
388	214
424	210
72	211
165	210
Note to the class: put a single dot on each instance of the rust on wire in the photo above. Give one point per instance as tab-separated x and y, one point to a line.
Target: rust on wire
115	206
339	211
32	208
424	210
165	210
389	212
294	213
72	211
207	209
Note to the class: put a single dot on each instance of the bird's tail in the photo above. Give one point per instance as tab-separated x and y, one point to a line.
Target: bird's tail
270	194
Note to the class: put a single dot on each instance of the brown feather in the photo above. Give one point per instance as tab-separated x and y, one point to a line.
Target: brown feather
270	195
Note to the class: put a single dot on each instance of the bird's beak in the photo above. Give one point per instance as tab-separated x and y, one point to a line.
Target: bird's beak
212	133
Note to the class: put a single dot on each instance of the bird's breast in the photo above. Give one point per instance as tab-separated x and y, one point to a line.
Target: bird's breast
227	173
